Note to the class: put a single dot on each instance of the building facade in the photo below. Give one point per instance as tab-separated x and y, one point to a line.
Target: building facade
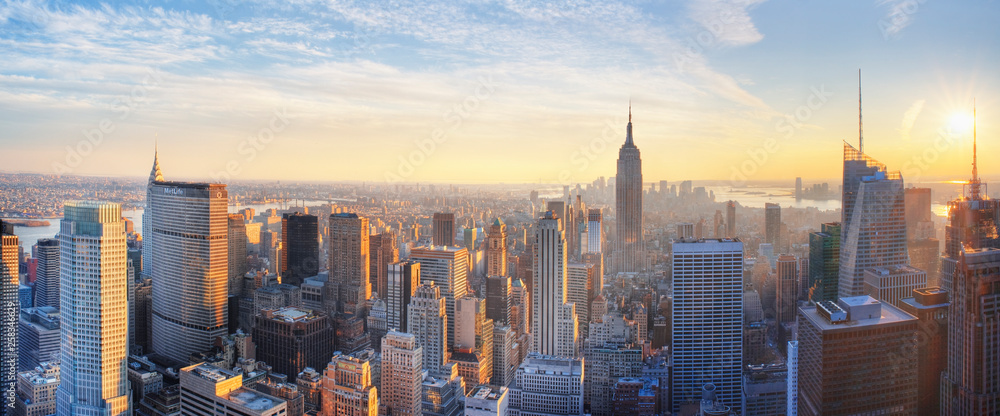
94	312
707	339
188	226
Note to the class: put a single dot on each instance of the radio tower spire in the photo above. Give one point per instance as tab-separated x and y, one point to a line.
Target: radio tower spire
974	183
861	135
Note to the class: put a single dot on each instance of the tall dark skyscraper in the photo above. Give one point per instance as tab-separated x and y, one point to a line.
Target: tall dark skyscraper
9	315
404	277
47	274
383	251
498	299
772	226
630	252
300	237
444	229
824	262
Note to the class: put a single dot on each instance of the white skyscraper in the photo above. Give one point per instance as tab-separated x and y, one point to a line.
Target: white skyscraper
428	321
189	228
793	379
553	323
708	320
595	231
94	310
448	268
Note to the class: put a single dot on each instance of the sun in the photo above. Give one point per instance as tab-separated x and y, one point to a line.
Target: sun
960	123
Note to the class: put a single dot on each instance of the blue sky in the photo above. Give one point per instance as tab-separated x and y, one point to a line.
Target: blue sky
492	91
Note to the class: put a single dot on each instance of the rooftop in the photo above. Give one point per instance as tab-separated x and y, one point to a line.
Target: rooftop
890	315
254	400
485	392
210	372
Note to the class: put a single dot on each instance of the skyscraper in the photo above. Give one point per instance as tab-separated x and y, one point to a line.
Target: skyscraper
9	315
496	249
383	252
348	287
924	249
448	268
547	385
38	337
444	229
730	219
824	262
787	288
428	322
772	225
498	299
708	320
404	278
970	384
190	262
930	305
237	241
402	375
473	341
553	328
290	339
300	245
47	273
94	310
595	231
873	218
580	292
630	250
856	356
347	387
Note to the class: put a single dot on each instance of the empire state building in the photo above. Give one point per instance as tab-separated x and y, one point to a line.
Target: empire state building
629	251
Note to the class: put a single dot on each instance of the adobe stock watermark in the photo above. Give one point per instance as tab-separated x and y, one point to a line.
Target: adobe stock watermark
900	15
787	125
588	152
914	168
250	147
452	119
124	106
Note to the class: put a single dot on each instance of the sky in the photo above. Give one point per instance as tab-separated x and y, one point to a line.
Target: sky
513	91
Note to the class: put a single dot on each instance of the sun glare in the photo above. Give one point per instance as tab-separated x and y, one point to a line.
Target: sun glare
960	123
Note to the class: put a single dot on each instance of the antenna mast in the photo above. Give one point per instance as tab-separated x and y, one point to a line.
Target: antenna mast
861	135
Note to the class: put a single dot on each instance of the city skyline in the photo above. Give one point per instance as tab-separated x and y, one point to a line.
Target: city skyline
375	77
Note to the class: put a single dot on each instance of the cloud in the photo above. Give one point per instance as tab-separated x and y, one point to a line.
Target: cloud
383	72
728	21
909	118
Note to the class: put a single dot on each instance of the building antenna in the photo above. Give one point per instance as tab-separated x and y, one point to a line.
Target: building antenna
975	168
861	134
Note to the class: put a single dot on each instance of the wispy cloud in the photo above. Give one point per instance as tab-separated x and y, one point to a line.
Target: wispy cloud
909	118
728	21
